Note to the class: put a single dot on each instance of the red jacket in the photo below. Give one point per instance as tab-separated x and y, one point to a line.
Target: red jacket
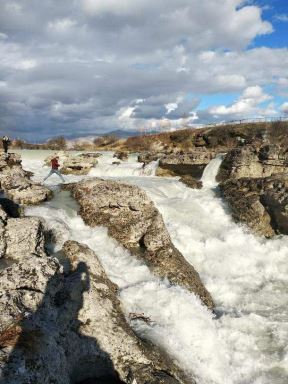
54	163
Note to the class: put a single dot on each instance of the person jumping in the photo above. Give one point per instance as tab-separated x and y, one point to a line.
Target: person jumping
54	169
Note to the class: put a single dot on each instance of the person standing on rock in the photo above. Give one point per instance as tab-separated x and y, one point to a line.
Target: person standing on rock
54	169
6	141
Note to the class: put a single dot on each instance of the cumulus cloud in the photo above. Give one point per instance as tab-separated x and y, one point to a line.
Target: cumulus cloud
284	108
82	66
249	103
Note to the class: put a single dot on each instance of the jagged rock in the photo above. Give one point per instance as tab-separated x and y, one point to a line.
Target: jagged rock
191	182
161	172
189	163
93	155
16	183
133	220
261	203
79	164
24	236
101	317
65	328
121	155
253	161
147	157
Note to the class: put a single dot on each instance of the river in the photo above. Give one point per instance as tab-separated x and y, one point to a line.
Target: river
246	340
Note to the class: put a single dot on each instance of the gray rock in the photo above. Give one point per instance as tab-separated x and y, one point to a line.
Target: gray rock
68	327
187	163
260	203
133	220
24	236
253	161
121	155
191	182
16	183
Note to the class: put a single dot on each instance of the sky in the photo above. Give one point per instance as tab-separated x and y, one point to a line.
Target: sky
85	67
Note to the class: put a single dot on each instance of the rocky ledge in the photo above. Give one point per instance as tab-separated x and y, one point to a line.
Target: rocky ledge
64	325
260	203
16	183
79	164
253	161
133	220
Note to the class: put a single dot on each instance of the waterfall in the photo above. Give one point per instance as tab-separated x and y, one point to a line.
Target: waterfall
210	172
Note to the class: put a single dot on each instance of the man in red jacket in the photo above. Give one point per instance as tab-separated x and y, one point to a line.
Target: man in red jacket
54	169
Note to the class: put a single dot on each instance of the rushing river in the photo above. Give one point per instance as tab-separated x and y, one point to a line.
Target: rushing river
246	340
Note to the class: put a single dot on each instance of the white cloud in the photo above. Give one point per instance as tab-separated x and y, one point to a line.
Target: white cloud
61	25
83	64
248	103
284	108
283	17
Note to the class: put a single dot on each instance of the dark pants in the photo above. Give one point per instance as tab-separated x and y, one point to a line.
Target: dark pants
5	146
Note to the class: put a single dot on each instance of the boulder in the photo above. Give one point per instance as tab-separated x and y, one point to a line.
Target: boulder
134	221
260	203
79	164
67	327
91	155
253	161
24	236
16	184
191	182
187	163
121	155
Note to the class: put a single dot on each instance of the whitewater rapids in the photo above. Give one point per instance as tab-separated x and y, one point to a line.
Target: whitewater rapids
246	342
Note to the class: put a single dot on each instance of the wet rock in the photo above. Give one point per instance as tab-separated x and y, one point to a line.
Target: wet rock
187	163
191	182
253	161
147	157
133	220
260	203
16	183
121	155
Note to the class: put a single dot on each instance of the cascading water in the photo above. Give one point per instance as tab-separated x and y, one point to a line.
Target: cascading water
246	343
210	172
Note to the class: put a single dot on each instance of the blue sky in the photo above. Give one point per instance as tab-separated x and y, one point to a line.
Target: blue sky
87	67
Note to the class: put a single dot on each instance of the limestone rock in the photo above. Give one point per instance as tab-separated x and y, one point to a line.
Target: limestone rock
101	317
133	220
253	161
121	155
16	183
261	203
24	236
79	164
187	163
67	327
191	182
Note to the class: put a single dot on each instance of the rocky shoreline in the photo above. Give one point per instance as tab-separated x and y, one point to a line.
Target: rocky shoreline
61	320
